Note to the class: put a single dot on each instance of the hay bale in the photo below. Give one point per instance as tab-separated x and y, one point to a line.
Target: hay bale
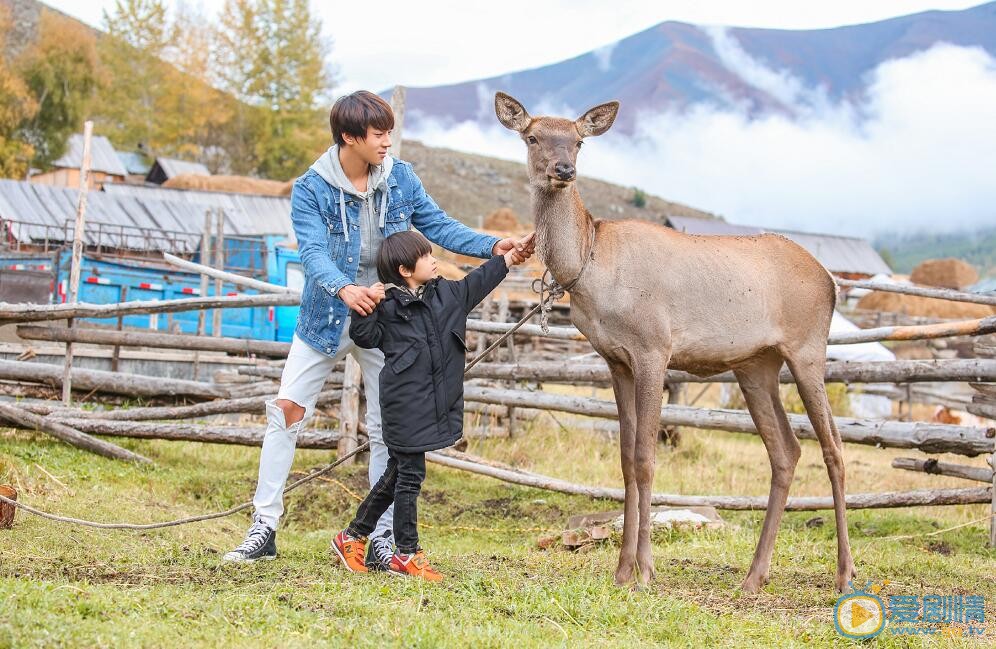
230	184
7	510
502	219
923	306
945	273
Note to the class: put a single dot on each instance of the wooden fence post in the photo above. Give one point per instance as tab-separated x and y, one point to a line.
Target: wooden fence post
74	270
219	262
398	108
349	410
116	354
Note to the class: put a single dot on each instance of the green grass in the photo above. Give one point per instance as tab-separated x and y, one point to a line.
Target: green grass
70	586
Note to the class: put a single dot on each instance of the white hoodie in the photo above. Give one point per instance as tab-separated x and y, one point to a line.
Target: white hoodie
330	169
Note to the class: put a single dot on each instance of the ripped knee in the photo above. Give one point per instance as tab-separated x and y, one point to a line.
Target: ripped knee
293	412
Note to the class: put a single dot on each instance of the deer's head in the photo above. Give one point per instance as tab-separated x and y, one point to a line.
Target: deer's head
552	143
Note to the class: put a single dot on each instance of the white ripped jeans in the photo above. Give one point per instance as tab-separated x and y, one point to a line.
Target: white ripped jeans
302	380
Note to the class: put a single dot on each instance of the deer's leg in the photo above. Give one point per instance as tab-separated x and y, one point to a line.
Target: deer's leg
759	382
809	370
622	385
649	388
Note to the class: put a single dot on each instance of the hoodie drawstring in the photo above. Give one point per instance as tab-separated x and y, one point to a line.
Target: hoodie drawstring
342	213
385	192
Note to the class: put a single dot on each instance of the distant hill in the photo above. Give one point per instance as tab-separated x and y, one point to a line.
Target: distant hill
675	65
472	186
903	250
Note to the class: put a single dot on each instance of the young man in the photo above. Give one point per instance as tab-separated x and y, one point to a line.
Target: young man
350	199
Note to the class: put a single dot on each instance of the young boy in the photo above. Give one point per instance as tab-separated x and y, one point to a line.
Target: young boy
342	207
420	325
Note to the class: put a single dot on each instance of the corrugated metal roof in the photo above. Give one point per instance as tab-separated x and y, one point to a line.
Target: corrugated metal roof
134	162
840	254
32	207
250	214
693	225
172	167
103	157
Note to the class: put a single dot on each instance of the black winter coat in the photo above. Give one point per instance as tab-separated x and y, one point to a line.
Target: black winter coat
423	340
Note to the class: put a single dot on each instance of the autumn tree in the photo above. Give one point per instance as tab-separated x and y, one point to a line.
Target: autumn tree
61	71
17	106
270	55
131	108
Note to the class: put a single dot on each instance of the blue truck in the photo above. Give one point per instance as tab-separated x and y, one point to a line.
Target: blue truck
43	277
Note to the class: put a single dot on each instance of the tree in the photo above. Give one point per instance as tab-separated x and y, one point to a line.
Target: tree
131	108
16	107
270	55
61	71
195	114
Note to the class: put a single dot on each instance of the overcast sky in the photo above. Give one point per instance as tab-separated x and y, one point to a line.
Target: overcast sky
432	42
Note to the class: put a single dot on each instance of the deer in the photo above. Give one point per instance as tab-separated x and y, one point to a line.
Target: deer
649	298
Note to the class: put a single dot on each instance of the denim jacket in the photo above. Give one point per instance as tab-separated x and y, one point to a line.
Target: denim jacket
330	261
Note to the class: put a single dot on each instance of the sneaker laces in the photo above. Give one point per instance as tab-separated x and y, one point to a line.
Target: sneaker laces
255	538
382	549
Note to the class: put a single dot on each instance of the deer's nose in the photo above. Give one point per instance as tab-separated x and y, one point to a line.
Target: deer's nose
564	170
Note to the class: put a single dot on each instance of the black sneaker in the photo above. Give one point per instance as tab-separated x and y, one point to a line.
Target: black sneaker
260	544
379	552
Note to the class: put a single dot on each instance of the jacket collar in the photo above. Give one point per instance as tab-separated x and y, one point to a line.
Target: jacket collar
404	295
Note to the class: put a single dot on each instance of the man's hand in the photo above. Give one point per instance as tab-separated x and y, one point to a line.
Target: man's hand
521	249
358	298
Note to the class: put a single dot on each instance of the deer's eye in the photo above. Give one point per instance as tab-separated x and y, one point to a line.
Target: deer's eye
580	143
532	140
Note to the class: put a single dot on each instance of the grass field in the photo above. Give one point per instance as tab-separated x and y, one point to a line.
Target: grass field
69	586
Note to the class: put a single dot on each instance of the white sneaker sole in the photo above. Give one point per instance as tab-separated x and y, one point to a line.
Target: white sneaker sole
240	559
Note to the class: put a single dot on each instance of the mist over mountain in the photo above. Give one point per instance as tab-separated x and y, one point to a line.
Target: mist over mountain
856	129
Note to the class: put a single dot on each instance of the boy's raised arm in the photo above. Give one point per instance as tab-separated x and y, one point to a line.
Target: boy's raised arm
473	288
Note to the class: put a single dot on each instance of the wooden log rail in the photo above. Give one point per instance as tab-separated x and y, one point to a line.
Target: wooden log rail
921	291
112	382
979	474
11	313
927	437
976	327
919	497
836	372
235	346
206	409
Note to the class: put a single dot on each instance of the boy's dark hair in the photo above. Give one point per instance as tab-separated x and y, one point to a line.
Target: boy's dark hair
352	114
400	249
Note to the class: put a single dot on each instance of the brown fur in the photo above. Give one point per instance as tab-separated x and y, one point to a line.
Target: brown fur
650	298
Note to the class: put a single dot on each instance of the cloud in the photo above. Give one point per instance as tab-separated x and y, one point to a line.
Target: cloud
914	152
603	56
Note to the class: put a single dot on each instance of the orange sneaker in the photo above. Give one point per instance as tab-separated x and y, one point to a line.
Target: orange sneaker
415	565
351	550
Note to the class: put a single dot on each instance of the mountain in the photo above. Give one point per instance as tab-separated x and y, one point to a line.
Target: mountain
907	249
674	65
470	187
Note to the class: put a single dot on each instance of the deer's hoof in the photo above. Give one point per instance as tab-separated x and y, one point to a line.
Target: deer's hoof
754	583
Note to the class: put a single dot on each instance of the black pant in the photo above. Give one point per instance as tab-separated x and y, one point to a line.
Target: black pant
400	484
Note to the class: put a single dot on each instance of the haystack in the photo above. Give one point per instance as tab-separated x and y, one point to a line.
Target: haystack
230	184
502	219
945	273
924	306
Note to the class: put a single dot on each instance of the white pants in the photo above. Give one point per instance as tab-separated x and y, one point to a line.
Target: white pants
302	380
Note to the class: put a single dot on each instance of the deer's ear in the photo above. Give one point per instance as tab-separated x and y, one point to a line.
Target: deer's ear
510	112
598	119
